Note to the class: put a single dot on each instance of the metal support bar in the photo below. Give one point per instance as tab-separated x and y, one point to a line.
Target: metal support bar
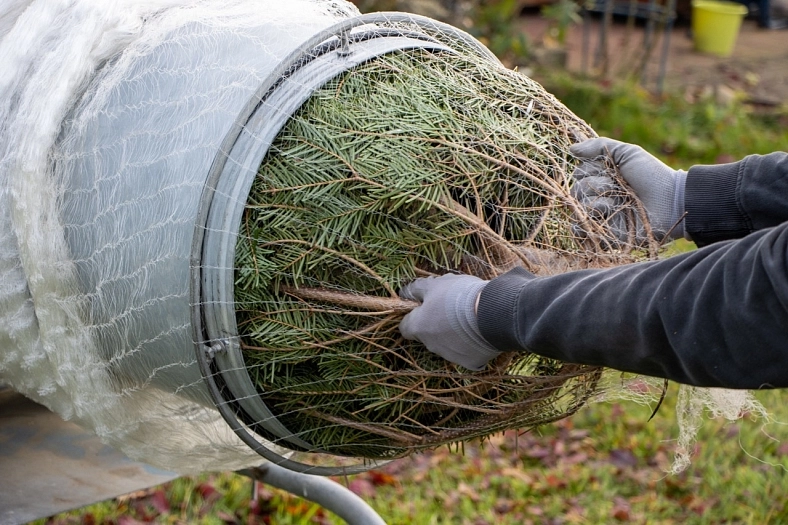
48	465
670	17
323	491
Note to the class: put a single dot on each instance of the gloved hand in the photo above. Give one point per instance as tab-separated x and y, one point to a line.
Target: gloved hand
446	320
659	187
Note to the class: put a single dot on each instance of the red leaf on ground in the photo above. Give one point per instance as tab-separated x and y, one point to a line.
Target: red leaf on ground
538	452
377	478
159	502
143	512
257	507
555	482
262	493
699	507
298	508
578	434
621	510
208	493
362	487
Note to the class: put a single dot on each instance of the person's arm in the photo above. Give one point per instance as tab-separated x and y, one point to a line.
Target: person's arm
717	316
729	201
714	317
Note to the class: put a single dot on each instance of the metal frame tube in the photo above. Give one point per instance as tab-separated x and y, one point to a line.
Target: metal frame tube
323	491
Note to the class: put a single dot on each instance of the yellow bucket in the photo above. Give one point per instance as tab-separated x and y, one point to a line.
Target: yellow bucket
715	26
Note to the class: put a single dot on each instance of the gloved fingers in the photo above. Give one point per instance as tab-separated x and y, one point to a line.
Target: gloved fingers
446	322
601	208
475	362
592	148
619	151
409	326
600	196
450	340
417	289
589	168
602	199
618	226
595	186
472	360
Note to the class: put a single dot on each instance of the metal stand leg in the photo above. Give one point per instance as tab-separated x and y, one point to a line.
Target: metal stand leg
659	16
323	491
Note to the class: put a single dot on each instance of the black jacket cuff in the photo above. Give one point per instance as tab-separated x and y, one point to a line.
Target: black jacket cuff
711	202
498	314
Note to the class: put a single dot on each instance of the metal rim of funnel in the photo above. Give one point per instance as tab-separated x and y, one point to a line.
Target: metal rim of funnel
321	58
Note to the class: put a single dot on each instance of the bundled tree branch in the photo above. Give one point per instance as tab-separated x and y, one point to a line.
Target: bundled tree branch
413	164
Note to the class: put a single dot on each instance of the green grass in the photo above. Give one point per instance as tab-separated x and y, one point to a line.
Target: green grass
606	464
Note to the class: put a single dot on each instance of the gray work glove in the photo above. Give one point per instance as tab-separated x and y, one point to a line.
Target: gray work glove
446	320
659	187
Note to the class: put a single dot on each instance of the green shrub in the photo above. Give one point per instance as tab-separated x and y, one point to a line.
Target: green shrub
681	132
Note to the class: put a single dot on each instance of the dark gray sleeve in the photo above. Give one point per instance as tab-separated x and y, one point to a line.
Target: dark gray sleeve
729	201
717	316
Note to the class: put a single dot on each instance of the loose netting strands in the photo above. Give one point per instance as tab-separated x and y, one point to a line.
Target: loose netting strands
414	163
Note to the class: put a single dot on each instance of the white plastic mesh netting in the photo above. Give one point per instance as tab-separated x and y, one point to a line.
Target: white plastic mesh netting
111	114
111	117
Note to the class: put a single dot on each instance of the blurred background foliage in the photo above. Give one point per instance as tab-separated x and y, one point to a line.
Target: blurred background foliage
683	133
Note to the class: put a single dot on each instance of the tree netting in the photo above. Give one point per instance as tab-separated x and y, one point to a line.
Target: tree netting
416	163
207	209
111	114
